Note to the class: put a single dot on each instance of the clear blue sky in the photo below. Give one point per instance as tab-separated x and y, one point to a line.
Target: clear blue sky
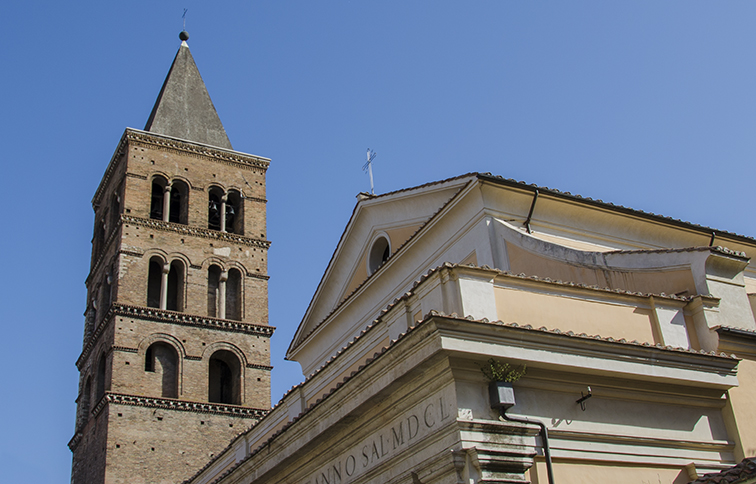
647	104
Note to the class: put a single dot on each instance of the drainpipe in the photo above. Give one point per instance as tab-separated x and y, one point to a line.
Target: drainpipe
544	438
501	395
530	213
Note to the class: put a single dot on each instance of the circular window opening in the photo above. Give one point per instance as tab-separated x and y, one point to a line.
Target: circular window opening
379	253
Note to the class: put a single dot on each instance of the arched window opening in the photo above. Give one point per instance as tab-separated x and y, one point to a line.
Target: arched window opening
158	194
224	385
234	295
213	291
101	366
379	254
99	238
115	210
178	212
175	287
234	218
214	208
108	289
154	282
162	360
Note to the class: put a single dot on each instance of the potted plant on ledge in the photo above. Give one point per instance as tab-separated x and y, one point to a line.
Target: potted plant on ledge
501	375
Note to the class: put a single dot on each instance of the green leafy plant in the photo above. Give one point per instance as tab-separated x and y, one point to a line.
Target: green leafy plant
496	370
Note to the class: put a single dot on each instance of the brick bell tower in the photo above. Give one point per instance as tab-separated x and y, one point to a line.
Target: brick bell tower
175	360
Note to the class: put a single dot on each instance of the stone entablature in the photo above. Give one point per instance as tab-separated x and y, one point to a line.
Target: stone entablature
443	350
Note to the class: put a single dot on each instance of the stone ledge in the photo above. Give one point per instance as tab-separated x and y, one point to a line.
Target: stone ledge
172	317
195	231
182	405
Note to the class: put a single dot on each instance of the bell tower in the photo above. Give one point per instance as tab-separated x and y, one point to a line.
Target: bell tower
175	359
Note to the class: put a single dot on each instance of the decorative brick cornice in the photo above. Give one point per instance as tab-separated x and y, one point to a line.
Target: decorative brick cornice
75	440
181	405
196	149
170	317
98	258
125	349
259	367
120	150
195	231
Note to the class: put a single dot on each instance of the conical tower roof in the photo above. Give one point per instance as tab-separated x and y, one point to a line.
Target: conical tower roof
183	108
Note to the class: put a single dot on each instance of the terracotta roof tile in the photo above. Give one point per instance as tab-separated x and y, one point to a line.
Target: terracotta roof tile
743	472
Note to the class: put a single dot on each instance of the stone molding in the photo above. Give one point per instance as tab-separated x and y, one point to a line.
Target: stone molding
171	317
195	231
171	404
124	349
120	150
177	228
230	157
183	405
98	258
75	440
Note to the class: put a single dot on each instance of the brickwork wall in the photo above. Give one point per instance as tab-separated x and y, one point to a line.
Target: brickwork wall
151	445
89	456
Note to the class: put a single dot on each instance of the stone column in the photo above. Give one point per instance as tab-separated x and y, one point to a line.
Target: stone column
166	203
224	199
164	286
222	294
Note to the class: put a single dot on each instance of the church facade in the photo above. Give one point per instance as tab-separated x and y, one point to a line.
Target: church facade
636	331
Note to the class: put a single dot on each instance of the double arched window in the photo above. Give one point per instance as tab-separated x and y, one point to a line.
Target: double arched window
224	211
224	293
224	378
169	201
165	284
161	363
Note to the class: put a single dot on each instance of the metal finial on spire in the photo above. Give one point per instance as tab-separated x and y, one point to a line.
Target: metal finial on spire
369	167
184	35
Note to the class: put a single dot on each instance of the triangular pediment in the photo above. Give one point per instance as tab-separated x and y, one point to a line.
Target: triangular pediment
392	219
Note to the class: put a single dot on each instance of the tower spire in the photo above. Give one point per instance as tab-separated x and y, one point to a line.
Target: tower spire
183	108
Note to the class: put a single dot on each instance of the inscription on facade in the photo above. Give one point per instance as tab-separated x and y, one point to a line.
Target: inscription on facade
387	442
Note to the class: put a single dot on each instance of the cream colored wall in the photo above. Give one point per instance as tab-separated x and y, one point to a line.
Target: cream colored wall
571	243
401	235
741	409
595	473
354	367
577	315
397	237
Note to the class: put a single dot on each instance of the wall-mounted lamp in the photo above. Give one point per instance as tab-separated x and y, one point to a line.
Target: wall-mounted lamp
583	397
